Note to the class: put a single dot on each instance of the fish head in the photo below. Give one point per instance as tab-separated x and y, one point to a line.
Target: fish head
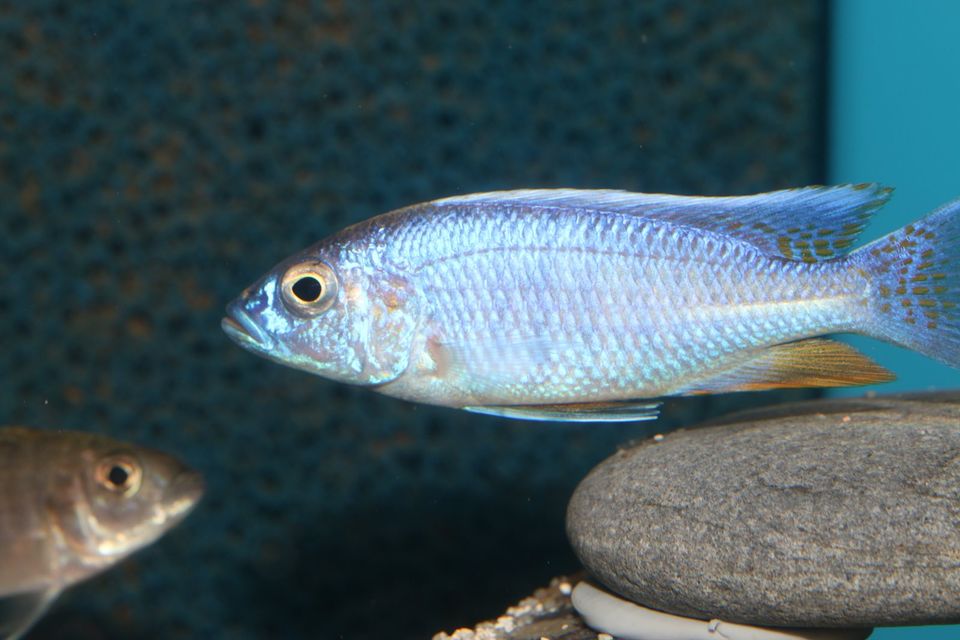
121	498
330	312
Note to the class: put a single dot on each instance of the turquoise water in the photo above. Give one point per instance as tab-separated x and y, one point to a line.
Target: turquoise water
894	119
917	633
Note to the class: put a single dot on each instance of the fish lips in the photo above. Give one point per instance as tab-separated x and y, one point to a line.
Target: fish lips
183	494
242	329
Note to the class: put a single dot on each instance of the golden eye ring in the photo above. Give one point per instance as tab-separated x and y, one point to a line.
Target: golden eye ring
309	288
119	474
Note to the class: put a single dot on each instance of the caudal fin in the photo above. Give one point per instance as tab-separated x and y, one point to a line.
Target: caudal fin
916	286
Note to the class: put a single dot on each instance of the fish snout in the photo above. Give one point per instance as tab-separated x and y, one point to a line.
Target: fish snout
239	324
183	493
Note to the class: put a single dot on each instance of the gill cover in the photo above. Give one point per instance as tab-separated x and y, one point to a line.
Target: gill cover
389	327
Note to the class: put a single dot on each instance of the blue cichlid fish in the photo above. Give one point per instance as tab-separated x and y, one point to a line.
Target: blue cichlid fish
585	305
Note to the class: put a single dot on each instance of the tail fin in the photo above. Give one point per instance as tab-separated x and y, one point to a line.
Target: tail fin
916	285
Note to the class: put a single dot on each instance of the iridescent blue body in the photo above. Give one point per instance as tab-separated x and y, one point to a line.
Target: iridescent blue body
537	299
558	306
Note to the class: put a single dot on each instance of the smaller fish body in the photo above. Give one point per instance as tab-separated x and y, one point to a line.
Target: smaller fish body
73	504
589	305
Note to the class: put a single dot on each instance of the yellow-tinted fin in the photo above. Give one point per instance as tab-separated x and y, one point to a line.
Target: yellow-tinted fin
817	362
579	412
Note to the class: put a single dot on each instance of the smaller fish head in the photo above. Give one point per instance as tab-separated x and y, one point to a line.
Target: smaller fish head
129	497
327	314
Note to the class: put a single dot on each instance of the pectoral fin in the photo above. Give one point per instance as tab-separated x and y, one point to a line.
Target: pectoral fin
580	412
493	364
18	612
816	362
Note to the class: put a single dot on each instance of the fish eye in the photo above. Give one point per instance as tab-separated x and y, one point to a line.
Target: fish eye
309	287
119	474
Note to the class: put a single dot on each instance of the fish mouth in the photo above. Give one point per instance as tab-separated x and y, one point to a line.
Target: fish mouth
241	328
184	492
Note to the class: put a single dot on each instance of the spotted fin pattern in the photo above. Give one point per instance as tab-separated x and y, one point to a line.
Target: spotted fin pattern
808	224
916	284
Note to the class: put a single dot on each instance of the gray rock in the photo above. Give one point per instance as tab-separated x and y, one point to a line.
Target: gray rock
825	514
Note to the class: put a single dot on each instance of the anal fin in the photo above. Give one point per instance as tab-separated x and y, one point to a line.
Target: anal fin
576	412
817	362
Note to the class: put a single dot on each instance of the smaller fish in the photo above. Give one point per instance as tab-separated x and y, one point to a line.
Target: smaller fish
74	504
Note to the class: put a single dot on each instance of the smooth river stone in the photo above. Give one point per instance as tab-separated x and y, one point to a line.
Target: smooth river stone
837	513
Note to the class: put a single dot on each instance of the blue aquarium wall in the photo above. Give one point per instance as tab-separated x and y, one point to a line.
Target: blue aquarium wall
156	157
894	91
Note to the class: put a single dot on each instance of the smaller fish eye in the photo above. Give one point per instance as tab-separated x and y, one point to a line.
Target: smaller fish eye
119	475
309	288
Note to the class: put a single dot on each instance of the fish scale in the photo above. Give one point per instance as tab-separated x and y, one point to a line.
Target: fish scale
549	304
22	529
565	283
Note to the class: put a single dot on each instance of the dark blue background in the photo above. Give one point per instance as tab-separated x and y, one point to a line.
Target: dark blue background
156	157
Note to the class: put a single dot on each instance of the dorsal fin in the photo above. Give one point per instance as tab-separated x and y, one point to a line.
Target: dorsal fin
809	223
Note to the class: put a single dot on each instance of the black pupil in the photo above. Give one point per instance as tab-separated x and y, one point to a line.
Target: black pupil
118	476
307	289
